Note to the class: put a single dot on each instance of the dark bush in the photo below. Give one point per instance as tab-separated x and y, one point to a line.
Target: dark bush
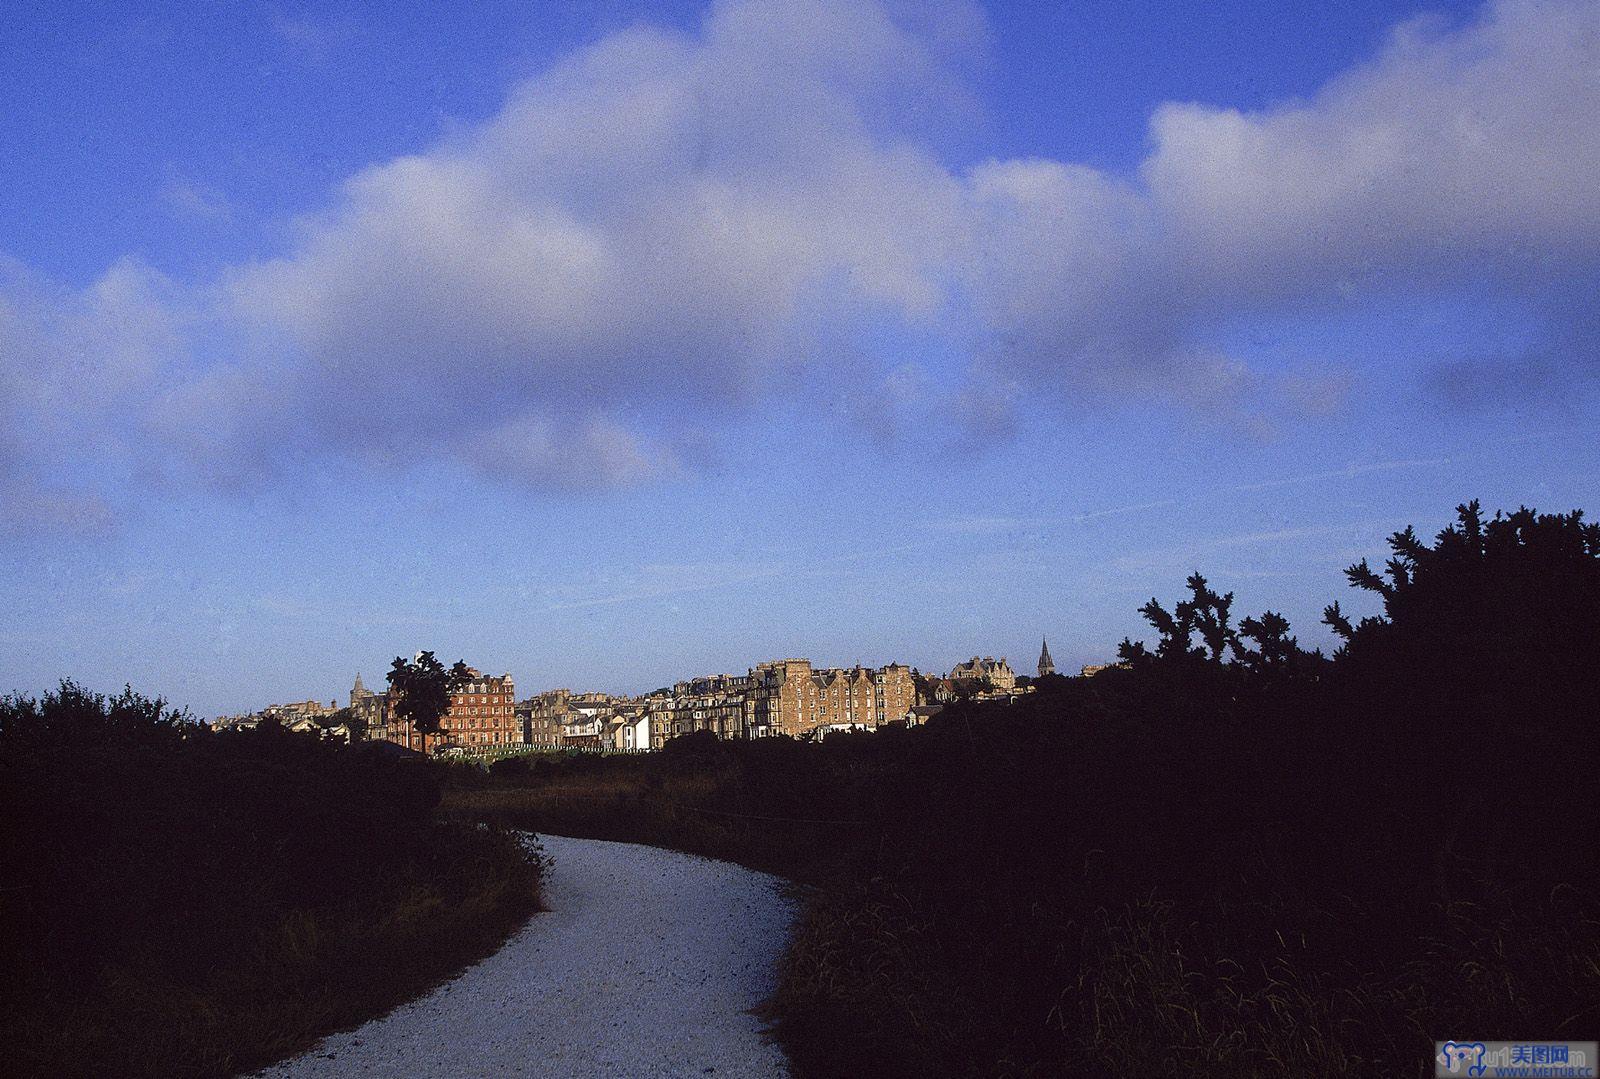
510	768
153	866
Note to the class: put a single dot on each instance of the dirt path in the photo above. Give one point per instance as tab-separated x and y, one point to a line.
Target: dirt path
646	964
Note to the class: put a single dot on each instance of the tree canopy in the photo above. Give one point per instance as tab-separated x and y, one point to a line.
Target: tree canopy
1495	623
1499	615
421	689
1199	633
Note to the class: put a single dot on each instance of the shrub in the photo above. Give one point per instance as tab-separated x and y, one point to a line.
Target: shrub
181	901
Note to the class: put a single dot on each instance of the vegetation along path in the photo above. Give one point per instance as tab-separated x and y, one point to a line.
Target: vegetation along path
648	962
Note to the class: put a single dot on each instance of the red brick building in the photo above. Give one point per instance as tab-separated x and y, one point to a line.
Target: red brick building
482	714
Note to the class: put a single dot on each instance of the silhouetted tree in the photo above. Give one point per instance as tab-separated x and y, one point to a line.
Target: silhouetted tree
1205	613
422	689
1203	665
1496	616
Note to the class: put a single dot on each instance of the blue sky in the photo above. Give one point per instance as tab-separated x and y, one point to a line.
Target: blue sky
627	342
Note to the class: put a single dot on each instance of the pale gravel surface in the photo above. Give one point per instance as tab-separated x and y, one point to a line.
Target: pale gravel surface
646	964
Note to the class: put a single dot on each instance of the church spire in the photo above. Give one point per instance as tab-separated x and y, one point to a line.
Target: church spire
1046	664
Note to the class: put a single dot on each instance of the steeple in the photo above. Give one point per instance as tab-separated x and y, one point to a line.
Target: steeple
1046	664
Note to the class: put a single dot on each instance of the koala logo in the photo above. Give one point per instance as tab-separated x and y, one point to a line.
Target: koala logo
1455	1054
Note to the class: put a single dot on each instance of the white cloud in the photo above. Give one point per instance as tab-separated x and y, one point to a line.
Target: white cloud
654	227
1453	150
662	228
1455	158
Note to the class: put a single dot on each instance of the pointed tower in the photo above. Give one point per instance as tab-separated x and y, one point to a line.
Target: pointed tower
1046	664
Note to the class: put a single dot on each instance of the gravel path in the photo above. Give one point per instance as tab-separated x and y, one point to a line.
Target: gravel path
646	964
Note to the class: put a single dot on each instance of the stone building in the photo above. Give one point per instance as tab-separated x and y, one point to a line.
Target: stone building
781	698
542	717
660	714
370	711
859	697
292	716
789	696
583	731
786	696
298	710
714	703
1046	664
997	672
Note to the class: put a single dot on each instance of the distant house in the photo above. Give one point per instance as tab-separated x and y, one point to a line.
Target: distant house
659	713
482	713
542	717
288	713
321	726
580	732
300	717
372	712
633	731
997	672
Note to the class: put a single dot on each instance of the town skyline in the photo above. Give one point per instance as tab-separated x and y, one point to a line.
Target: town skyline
634	339
484	716
528	691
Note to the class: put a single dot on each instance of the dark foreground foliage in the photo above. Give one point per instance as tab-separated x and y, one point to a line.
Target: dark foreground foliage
1229	858
181	902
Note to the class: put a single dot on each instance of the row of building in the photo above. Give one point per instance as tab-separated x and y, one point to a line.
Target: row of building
787	696
782	697
301	717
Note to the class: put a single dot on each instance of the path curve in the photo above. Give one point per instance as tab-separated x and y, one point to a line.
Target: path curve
646	964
